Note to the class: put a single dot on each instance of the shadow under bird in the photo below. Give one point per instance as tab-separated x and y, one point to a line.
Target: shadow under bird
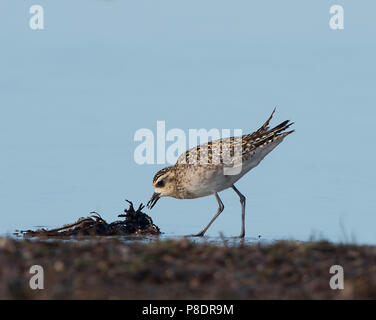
215	166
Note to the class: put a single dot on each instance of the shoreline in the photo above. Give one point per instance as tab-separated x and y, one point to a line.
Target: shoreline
182	269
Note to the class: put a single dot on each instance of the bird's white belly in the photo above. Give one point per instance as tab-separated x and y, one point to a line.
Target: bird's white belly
209	181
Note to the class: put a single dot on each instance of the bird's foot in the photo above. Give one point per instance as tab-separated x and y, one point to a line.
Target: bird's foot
241	236
200	234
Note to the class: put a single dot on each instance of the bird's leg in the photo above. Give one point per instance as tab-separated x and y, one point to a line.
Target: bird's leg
242	201
220	209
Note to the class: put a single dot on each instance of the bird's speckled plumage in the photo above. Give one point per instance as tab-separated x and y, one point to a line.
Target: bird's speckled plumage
201	171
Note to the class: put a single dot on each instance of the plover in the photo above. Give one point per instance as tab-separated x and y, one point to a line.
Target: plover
201	171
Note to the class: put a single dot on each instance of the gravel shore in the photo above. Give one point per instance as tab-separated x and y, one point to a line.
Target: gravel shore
180	269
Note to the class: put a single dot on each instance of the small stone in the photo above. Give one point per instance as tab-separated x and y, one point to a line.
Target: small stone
59	266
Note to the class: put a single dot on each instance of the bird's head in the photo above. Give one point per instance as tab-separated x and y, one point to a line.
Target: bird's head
164	185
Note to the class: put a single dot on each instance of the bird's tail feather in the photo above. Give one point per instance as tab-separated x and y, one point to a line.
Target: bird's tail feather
264	135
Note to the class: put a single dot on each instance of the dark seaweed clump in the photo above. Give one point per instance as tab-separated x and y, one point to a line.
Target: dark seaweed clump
135	222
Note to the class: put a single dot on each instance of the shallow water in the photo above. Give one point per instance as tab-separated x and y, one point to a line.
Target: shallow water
141	239
73	95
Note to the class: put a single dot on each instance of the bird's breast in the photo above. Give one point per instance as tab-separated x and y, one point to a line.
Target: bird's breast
196	181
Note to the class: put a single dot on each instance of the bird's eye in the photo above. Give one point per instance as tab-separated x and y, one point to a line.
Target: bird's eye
160	183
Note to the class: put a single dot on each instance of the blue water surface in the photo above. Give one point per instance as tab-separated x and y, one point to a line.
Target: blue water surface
73	95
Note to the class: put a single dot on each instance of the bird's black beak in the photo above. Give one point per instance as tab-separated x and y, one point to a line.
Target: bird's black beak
155	197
